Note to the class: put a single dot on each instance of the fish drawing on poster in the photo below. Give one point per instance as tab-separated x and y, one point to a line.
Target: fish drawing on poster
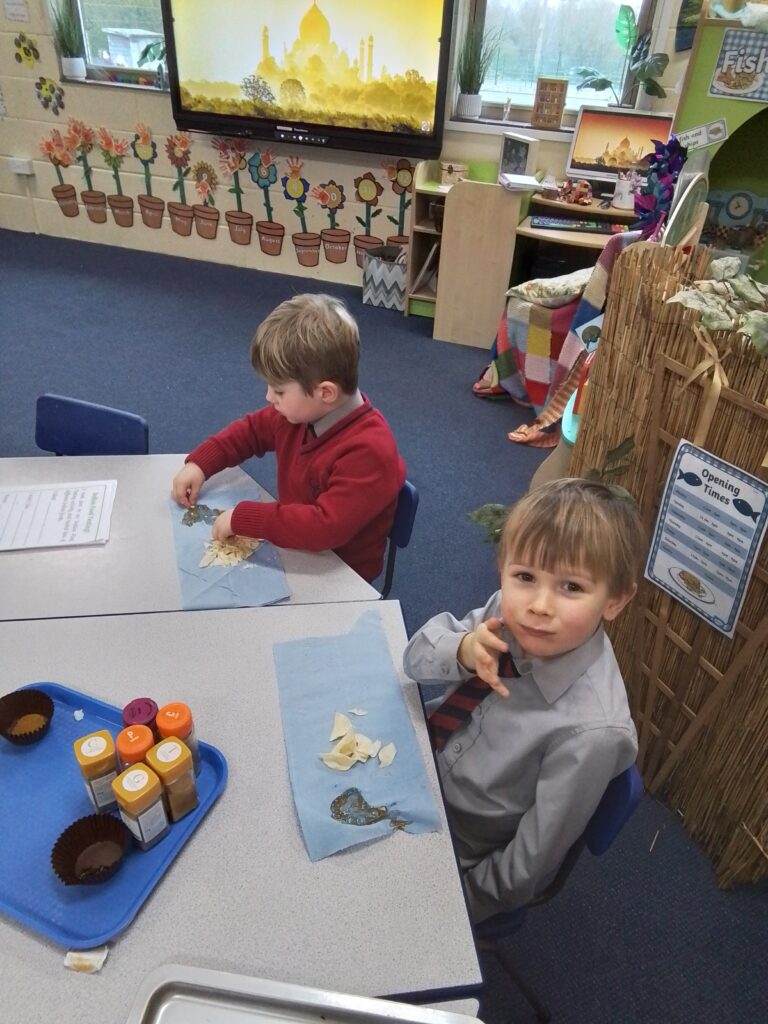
707	538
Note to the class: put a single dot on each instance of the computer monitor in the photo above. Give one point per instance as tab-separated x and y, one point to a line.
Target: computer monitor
607	140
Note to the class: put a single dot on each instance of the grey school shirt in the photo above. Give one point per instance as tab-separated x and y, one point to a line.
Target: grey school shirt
523	775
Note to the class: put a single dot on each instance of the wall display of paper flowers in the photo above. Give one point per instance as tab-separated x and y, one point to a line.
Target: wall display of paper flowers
295	188
233	159
145	151
263	171
335	240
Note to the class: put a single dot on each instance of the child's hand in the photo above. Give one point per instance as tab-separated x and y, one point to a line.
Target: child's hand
479	653
187	483
222	528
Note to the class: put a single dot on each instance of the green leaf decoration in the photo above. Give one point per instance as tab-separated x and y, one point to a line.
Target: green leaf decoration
724	268
625	28
492	518
653	67
393	219
620	451
376	212
755	326
746	289
653	88
360	221
597	83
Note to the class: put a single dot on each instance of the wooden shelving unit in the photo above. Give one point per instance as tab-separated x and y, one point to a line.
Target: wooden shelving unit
473	260
428	193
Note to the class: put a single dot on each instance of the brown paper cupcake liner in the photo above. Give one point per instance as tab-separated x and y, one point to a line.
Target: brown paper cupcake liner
25	716
91	850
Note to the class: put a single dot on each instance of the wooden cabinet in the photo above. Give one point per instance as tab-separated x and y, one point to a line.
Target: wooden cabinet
470	251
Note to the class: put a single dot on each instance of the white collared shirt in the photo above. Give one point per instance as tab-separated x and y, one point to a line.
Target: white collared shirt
351	403
524	774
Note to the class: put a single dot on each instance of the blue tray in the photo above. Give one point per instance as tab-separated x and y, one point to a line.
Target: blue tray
41	793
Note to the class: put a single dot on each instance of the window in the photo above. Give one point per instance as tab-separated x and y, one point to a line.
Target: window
552	38
116	31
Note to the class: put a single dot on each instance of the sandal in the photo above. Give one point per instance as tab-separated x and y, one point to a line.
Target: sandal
484	386
535	436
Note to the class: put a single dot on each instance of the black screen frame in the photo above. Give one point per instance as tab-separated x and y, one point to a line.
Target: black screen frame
310	133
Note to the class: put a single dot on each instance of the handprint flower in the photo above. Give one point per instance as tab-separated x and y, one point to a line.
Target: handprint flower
206	182
331	197
401	176
232	160
114	151
295	188
263	171
178	149
145	151
401	179
367	191
80	139
58	152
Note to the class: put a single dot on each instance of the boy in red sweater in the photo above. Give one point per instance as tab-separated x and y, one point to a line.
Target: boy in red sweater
338	469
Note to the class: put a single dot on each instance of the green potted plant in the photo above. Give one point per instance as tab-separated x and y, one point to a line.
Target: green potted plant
477	52
645	67
68	39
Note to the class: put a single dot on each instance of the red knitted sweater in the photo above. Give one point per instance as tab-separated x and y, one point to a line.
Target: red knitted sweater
335	491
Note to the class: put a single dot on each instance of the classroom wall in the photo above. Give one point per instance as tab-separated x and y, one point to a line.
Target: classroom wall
27	202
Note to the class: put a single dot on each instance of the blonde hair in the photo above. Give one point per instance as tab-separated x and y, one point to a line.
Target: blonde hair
308	339
577	524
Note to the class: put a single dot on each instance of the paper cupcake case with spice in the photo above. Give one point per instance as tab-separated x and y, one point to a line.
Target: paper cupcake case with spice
41	794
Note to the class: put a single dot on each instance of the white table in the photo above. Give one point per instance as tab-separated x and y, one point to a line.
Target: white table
135	571
383	918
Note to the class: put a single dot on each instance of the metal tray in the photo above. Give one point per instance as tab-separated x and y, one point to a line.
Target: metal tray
174	994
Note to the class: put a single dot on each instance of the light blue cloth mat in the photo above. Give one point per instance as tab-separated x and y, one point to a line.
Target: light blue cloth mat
257	580
316	678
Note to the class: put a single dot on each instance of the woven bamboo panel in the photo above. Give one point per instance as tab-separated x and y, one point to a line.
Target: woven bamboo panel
699	698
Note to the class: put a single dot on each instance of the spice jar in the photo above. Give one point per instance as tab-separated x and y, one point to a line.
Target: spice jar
142	711
140	799
175	720
132	745
95	754
172	761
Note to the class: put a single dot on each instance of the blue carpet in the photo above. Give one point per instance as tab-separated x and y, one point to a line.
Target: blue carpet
635	936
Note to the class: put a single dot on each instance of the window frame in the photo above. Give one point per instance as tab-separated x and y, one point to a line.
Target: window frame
473	12
125	77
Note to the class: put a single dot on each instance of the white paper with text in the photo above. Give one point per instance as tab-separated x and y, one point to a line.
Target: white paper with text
56	515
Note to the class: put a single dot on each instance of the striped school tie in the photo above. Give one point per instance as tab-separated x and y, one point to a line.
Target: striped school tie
459	705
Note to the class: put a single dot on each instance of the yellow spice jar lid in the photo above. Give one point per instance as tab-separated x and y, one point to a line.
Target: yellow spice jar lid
136	788
95	753
170	759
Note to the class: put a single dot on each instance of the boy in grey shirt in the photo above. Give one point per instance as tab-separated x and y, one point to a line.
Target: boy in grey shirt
523	773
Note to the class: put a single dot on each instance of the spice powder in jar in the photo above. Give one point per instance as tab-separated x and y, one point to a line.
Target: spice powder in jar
96	756
140	799
174	721
172	761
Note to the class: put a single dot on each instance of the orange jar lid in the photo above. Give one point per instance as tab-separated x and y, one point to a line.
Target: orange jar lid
174	719
133	742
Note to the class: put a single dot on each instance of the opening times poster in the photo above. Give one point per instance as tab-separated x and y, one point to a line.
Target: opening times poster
708	534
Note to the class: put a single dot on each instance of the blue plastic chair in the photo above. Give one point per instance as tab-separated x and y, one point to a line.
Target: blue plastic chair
402	528
616	806
69	426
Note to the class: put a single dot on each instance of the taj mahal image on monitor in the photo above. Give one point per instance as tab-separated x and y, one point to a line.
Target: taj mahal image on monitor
336	63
